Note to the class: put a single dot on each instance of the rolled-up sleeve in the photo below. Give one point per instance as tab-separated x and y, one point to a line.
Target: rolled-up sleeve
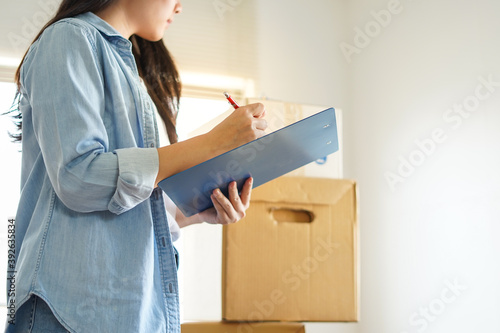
65	86
138	168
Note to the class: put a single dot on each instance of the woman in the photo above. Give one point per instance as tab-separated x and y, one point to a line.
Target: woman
93	247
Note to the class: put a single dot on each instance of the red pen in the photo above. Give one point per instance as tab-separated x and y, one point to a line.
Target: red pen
231	101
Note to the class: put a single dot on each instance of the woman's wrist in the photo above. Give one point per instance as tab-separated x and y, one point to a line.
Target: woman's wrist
180	156
184	221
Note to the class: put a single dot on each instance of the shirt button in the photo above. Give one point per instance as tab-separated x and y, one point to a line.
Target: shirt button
152	145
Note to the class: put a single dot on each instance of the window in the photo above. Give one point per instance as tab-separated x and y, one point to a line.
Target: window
196	112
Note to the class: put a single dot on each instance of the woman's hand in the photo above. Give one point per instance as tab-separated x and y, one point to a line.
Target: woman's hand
243	125
228	210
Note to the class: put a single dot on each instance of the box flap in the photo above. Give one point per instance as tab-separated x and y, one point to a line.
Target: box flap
291	190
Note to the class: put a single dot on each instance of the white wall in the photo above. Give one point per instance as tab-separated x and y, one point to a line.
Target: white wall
437	226
428	251
438	223
298	54
299	61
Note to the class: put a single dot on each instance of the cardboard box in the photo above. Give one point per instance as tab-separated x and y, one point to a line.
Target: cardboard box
294	256
227	327
280	114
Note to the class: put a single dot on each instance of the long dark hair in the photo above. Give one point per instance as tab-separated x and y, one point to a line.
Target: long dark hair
154	63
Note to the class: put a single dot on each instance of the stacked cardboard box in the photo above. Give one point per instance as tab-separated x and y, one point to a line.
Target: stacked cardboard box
280	114
228	327
293	258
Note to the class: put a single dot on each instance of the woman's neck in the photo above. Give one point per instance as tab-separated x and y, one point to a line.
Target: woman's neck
116	16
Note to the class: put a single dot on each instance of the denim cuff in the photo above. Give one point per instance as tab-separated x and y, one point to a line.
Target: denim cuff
138	169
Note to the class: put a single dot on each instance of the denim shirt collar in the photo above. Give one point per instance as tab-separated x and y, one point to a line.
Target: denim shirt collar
105	29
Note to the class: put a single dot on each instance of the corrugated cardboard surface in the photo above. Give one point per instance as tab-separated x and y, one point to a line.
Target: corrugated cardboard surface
278	267
227	327
280	114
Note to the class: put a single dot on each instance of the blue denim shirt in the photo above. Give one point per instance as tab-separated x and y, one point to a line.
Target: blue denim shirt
92	237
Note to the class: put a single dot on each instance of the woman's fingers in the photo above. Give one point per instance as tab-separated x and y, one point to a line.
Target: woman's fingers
241	126
246	192
232	209
220	211
226	214
257	110
260	124
234	198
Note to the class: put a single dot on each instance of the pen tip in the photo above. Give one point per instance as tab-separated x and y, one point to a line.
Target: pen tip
226	94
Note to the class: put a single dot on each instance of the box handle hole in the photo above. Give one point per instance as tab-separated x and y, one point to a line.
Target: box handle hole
292	215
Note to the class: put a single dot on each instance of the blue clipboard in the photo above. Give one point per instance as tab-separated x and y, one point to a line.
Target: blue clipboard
264	159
